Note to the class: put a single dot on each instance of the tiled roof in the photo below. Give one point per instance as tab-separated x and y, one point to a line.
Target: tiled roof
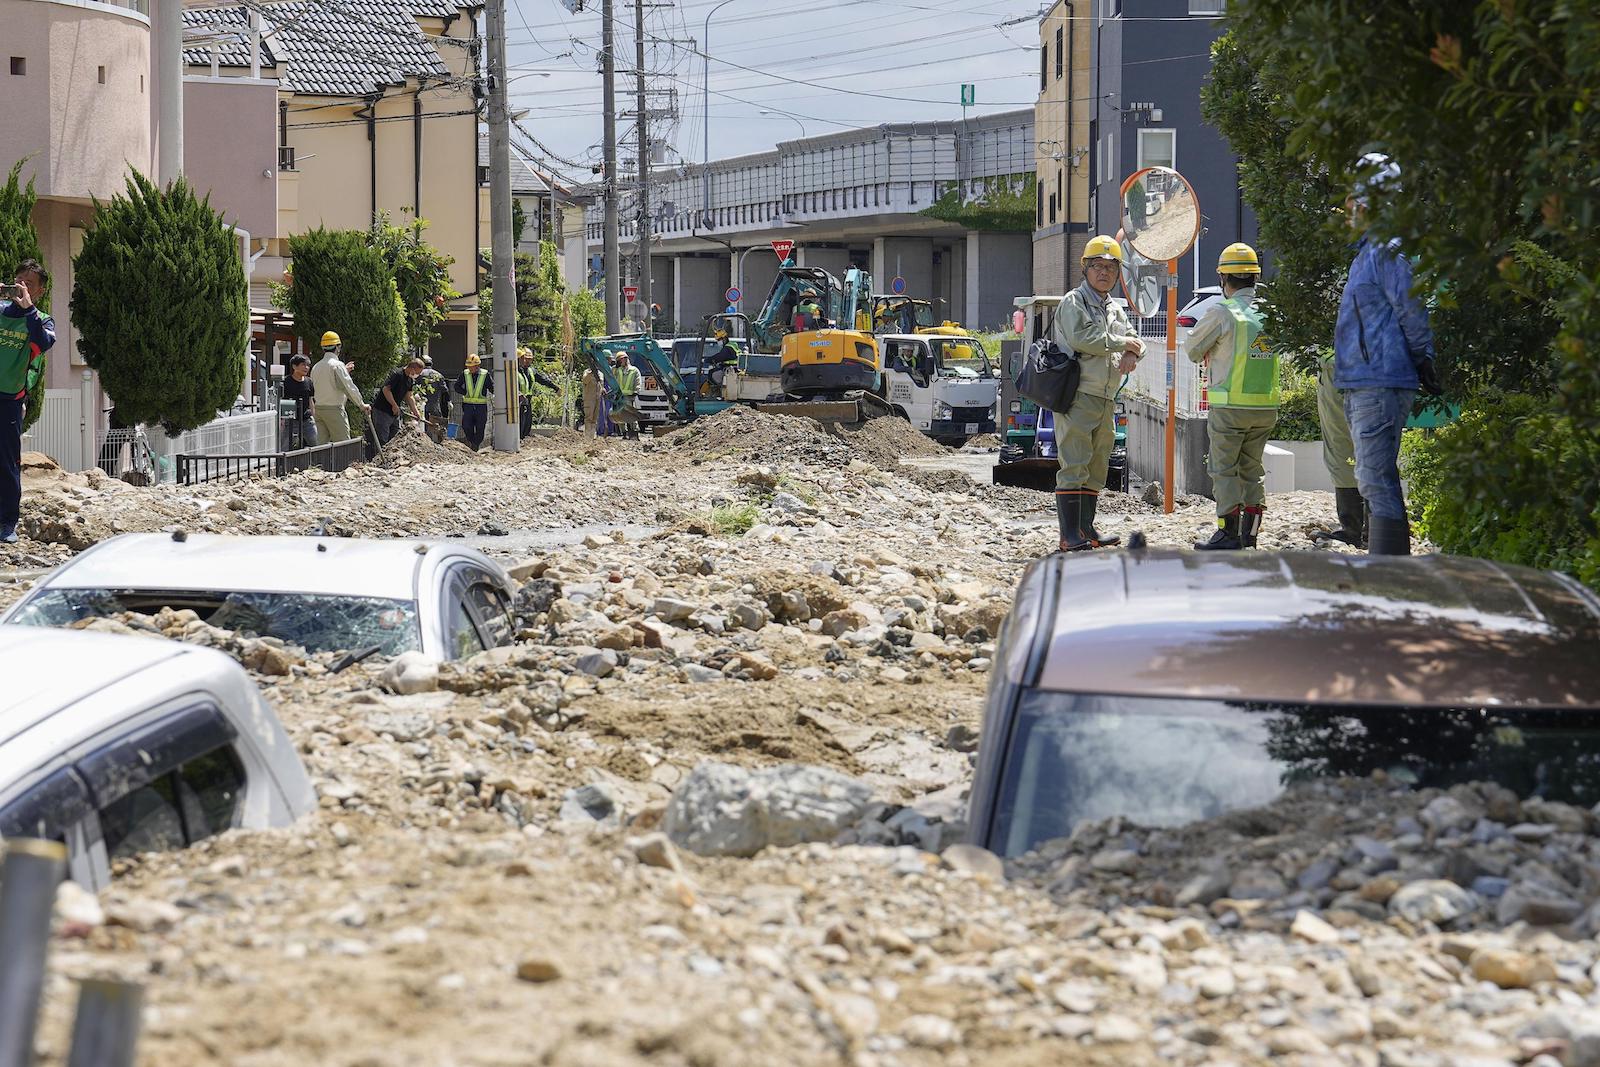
235	50
338	47
524	179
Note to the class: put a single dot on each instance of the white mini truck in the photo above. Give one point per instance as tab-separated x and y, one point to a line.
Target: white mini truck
119	745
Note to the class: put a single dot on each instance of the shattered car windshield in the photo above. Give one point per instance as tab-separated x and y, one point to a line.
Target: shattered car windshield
1076	758
317	623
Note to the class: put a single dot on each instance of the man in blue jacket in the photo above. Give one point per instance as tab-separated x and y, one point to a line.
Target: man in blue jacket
26	334
1383	350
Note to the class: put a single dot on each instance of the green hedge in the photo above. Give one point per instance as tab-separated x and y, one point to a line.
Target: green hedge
1297	408
1511	480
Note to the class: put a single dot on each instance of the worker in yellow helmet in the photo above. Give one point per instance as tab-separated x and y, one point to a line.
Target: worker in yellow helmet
475	387
331	387
1243	394
1100	332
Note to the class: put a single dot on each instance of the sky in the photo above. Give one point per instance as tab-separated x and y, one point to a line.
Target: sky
869	61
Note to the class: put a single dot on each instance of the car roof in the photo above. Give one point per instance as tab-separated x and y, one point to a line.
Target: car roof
333	566
1320	627
63	667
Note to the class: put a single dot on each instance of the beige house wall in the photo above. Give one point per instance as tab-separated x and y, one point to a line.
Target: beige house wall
1061	134
81	135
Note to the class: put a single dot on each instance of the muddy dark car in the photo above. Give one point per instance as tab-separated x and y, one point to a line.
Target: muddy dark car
1167	686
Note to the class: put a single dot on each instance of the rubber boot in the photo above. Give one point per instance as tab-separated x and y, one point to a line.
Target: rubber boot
1227	535
1091	500
1069	516
1389	537
1250	524
1352	511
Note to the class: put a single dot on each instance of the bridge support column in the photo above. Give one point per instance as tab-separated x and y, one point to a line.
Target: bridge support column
999	269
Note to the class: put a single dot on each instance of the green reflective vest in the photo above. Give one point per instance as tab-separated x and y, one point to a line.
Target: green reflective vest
16	351
1247	375
628	380
477	385
525	381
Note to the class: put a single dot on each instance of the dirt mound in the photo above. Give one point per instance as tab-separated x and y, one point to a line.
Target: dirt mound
757	435
409	448
884	441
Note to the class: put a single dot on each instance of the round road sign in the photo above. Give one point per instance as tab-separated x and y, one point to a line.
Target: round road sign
898	286
732	295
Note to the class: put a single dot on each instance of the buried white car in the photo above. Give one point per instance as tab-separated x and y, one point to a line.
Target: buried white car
120	745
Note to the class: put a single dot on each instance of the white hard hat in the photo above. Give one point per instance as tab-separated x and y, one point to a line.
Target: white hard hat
1375	173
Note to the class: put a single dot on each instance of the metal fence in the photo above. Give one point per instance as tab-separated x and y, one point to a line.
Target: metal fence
1150	377
334	456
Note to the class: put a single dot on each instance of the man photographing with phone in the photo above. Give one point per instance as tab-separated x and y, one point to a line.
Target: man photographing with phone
26	334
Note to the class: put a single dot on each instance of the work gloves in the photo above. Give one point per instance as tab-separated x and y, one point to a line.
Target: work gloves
1428	378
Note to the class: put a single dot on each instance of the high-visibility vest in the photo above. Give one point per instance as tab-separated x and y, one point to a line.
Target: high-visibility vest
477	383
525	381
16	351
628	381
1248	376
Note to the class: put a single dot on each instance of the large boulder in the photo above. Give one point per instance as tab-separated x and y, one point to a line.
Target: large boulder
723	810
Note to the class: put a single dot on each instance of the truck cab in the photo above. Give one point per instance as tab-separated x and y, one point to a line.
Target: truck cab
945	386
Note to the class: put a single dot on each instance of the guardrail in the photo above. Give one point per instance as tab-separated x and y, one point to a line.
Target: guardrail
334	456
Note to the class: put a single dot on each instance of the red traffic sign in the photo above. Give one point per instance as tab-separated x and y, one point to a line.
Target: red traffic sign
783	248
630	293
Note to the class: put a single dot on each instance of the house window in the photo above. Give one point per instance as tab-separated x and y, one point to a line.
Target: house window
1060	54
1158	148
1207	7
101	74
1038	205
19	65
1044	66
1052	208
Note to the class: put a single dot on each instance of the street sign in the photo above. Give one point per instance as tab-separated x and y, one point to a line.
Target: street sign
630	293
783	248
898	286
732	295
969	95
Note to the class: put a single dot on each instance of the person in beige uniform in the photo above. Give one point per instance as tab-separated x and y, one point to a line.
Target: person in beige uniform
591	402
1244	393
1339	456
1088	323
331	380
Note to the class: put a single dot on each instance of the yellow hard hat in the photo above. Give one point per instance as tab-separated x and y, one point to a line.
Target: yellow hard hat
524	353
474	360
1102	247
1238	259
330	340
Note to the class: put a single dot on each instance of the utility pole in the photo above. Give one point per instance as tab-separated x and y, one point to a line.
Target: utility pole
504	431
613	259
643	129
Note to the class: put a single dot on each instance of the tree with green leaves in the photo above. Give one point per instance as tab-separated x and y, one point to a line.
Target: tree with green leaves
421	275
19	240
338	281
161	307
1490	110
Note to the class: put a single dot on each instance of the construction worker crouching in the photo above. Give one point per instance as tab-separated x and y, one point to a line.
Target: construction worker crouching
1088	323
1243	394
475	387
332	386
525	390
626	415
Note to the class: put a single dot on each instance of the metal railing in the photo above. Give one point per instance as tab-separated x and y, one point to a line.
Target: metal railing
334	456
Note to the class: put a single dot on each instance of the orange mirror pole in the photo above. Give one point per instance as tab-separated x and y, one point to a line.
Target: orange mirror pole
1172	379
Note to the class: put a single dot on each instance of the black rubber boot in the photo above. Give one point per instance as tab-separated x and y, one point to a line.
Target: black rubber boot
1389	537
1091	500
1250	525
1352	511
1227	535
1069	516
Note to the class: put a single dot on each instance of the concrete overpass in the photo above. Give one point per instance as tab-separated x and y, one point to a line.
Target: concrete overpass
860	197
